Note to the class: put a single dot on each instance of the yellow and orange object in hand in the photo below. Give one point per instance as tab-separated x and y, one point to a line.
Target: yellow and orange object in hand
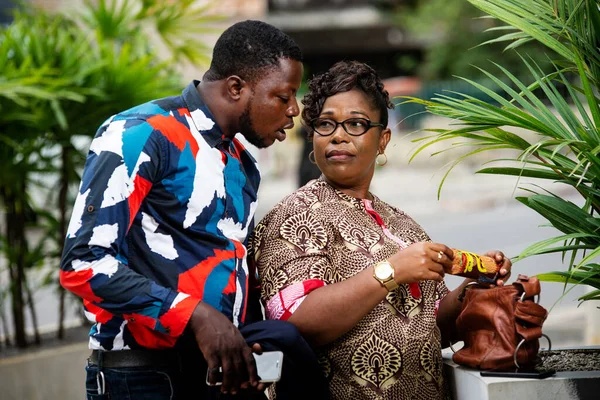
471	265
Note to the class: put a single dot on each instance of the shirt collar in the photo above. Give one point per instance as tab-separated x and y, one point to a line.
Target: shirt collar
194	103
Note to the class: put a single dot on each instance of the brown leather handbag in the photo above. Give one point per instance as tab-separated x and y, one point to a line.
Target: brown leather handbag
500	326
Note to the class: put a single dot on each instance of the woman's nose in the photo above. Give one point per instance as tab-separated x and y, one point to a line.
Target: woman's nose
339	135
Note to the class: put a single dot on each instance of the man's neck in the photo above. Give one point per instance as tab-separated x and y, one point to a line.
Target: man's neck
212	94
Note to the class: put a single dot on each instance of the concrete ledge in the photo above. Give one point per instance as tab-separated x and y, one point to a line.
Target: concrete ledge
57	373
468	384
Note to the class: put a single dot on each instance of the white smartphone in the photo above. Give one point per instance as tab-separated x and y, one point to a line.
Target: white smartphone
268	367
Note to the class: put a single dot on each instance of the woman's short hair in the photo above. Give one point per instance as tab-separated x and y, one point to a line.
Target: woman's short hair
343	77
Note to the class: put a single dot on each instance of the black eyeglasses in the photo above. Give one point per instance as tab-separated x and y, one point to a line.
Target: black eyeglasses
353	126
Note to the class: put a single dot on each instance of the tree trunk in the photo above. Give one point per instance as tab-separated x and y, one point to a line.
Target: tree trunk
62	208
31	304
3	322
16	241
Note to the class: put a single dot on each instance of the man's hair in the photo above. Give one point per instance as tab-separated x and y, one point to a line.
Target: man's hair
247	48
343	77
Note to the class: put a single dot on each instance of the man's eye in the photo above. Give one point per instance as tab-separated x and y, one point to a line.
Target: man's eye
284	99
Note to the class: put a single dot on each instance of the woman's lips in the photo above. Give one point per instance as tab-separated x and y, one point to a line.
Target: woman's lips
339	155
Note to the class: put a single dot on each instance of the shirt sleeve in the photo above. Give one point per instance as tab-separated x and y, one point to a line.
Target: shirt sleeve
123	162
289	248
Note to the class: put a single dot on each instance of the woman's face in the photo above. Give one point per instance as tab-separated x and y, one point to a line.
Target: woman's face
349	161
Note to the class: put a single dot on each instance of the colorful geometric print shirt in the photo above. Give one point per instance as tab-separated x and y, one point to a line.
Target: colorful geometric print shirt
160	223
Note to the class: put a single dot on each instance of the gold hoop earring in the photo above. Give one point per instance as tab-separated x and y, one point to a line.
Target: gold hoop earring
312	160
381	164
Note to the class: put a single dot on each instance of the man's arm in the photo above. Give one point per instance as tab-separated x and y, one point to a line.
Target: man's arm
122	164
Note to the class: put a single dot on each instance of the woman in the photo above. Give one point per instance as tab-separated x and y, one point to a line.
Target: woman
358	277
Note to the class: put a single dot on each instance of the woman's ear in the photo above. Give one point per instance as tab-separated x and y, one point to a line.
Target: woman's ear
384	139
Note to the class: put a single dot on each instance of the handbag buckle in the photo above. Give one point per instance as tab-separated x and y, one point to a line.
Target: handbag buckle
523	341
524	294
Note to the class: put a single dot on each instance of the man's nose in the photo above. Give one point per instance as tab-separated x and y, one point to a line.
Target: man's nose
293	110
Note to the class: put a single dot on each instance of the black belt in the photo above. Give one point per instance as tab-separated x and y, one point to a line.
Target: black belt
136	358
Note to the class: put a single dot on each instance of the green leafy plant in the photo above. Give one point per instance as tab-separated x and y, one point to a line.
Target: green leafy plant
27	84
559	108
61	76
174	25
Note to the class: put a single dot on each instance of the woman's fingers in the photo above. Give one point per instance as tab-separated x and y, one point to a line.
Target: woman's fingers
438	270
504	263
442	255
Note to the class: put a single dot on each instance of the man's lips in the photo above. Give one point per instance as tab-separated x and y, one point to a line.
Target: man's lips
280	134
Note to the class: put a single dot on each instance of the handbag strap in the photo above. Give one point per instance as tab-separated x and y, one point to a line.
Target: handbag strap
527	286
529	316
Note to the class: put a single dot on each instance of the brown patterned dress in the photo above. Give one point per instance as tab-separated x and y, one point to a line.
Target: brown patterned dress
320	234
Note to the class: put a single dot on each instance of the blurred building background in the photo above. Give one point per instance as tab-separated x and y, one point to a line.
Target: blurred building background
333	30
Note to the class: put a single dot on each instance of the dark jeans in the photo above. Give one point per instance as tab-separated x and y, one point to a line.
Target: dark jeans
301	375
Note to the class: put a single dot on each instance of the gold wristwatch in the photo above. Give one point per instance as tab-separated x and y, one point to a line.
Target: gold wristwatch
383	271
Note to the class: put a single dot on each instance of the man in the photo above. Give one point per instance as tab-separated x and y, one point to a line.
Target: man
156	243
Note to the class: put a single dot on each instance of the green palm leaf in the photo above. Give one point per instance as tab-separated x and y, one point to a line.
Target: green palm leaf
567	127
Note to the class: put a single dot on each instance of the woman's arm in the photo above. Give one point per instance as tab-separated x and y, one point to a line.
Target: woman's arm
330	311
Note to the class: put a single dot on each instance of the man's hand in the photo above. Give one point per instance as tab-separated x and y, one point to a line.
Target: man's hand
223	346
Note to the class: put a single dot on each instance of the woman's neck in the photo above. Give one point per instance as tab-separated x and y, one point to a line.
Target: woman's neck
357	191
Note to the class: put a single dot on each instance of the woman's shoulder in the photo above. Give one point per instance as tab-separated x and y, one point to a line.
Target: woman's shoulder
385	206
300	200
401	220
309	196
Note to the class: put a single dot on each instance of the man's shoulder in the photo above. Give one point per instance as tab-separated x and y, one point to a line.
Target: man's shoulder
151	109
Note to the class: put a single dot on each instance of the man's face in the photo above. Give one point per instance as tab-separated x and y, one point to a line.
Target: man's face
272	104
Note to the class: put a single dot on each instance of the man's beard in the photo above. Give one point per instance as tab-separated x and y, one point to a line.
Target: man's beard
247	129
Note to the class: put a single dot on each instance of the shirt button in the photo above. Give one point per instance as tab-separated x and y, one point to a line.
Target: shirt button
90	208
131	319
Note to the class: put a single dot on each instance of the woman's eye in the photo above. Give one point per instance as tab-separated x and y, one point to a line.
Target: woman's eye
324	124
358	124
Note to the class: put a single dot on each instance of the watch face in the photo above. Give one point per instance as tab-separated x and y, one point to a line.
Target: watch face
383	271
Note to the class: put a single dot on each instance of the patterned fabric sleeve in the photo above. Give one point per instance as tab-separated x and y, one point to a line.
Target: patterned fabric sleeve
121	167
283	304
289	249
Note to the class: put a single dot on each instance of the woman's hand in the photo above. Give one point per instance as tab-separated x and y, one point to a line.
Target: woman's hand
422	261
505	266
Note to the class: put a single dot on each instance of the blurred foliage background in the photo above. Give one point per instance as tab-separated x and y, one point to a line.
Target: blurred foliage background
62	75
457	36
